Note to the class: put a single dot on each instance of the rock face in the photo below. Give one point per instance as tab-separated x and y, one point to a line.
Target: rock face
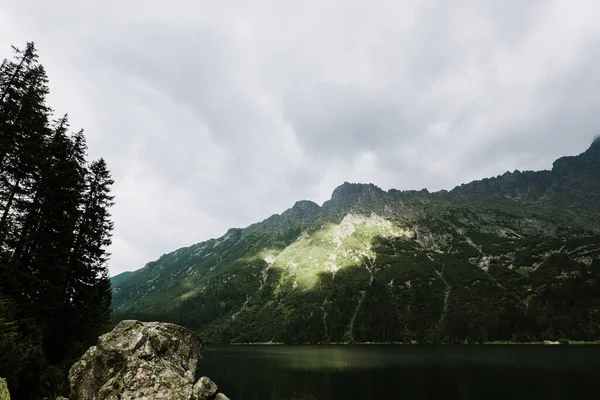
4	395
204	389
138	360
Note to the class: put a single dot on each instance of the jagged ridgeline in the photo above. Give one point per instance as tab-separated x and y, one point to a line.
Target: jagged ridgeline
514	257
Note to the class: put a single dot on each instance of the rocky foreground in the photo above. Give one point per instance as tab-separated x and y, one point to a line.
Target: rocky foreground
4	395
141	361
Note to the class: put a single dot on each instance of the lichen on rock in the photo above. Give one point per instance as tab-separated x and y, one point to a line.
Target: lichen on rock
4	394
204	389
141	360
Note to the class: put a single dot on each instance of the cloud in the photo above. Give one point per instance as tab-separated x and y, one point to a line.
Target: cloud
339	121
214	115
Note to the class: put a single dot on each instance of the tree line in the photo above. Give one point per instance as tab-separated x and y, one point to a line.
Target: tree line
55	227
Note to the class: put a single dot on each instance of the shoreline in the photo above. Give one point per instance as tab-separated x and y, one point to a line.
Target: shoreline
490	343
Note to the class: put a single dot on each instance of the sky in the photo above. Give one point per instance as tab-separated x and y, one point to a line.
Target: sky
218	114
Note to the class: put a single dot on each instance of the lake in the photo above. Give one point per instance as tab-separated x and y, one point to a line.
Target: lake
404	372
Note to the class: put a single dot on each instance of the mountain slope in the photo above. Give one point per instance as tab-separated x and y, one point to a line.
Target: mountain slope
512	257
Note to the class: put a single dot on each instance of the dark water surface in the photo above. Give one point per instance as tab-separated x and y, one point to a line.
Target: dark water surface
404	372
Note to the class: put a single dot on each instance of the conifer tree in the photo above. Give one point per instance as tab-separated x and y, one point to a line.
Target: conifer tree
54	230
14	71
23	132
17	79
88	290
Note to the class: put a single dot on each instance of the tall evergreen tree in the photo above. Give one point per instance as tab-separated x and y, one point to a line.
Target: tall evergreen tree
23	126
54	229
51	240
17	80
26	57
88	288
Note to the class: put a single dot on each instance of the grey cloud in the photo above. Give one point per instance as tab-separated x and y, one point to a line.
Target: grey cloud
214	115
565	121
333	120
196	68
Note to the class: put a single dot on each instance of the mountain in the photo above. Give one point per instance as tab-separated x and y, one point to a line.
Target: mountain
515	257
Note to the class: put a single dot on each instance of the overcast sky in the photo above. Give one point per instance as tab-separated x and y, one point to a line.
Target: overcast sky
217	114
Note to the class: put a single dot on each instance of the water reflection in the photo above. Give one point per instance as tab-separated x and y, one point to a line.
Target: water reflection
406	372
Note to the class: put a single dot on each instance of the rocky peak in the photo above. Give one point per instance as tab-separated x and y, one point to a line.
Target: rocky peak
594	147
587	162
360	197
303	211
348	189
572	181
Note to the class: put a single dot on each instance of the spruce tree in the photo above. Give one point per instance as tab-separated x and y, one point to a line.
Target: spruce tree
54	230
23	127
88	290
52	239
17	79
14	70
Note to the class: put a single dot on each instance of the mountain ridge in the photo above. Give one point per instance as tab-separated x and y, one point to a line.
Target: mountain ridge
294	276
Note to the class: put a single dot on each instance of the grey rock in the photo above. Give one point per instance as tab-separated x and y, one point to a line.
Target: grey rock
4	394
221	396
138	360
204	389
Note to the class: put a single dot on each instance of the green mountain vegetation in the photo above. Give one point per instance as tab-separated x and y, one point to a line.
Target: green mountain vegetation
515	257
54	228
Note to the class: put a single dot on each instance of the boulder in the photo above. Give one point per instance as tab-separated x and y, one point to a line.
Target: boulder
138	360
204	389
4	394
221	396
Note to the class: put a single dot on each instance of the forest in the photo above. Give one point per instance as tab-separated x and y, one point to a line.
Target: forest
55	226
